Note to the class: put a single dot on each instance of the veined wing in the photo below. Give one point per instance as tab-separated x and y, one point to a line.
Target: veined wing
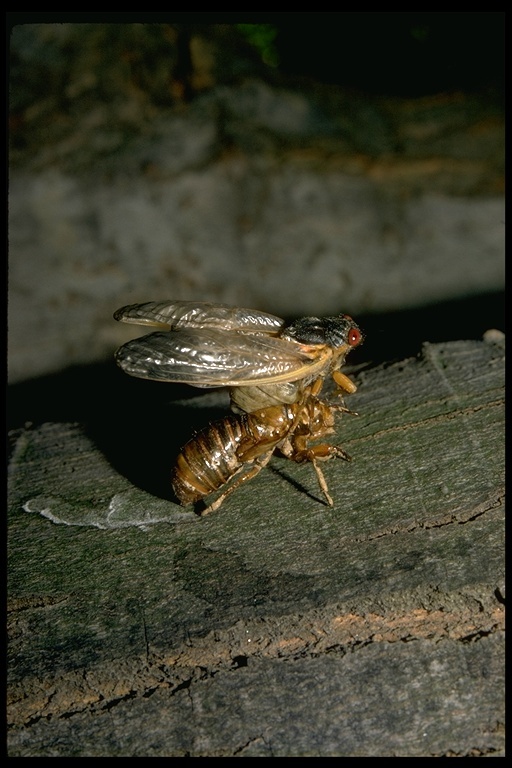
193	314
212	358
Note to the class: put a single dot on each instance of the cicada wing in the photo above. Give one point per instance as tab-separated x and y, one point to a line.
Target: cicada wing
193	314
211	358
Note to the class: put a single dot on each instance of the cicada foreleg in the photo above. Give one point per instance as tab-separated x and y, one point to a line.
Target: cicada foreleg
321	452
344	383
317	421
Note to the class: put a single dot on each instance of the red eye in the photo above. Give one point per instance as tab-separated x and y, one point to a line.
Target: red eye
354	337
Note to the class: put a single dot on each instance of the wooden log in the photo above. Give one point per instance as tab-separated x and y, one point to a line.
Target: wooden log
277	626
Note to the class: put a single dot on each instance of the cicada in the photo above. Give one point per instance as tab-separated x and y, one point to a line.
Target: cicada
275	372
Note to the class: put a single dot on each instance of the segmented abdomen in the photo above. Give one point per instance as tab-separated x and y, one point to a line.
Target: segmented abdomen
208	460
212	457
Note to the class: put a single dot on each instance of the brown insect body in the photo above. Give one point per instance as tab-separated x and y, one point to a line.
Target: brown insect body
217	453
275	373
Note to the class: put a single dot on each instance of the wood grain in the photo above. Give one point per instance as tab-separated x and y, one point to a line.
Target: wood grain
276	626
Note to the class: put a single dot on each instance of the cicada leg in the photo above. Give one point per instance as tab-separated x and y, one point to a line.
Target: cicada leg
343	409
322	453
322	482
343	381
260	463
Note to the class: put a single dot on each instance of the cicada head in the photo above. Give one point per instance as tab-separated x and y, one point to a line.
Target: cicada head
334	332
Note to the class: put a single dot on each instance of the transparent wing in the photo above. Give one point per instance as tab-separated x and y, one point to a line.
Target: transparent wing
193	314
207	357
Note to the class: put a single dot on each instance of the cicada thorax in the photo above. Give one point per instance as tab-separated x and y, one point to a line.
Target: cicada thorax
217	453
314	421
257	398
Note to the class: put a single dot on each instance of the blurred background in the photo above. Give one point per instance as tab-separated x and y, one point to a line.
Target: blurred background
299	163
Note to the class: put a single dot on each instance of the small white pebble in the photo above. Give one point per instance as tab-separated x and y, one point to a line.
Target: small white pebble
493	335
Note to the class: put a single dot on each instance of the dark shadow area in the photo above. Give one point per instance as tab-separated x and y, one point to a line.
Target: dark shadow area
405	54
312	490
134	423
142	433
140	426
400	334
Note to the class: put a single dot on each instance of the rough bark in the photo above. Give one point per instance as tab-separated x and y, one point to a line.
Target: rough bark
276	626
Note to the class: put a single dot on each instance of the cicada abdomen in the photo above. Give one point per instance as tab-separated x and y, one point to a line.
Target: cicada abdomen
219	452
